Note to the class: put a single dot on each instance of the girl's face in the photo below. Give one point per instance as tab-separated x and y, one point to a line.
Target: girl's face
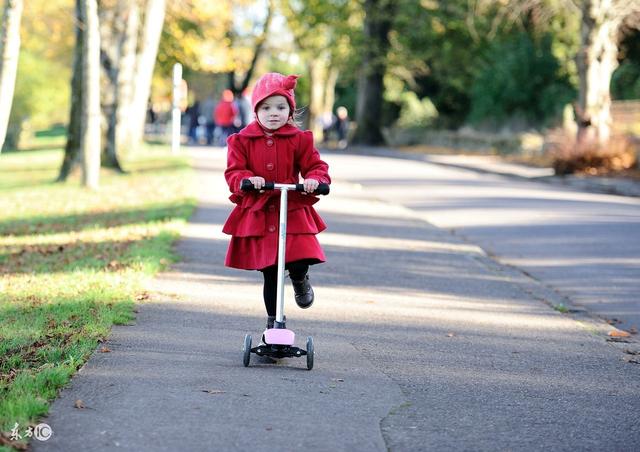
273	112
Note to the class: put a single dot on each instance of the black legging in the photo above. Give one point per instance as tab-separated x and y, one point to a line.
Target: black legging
297	271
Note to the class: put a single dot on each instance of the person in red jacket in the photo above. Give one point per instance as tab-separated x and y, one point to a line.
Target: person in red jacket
273	149
224	115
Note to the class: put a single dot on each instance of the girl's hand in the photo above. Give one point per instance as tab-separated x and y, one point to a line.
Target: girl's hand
257	181
310	185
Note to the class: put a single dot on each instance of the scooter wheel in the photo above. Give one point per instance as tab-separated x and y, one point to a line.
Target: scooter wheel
310	353
246	349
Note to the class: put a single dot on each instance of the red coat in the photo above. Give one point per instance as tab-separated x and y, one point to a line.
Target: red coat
224	113
253	224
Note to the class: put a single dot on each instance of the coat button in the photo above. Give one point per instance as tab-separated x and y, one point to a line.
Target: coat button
269	142
270	166
272	228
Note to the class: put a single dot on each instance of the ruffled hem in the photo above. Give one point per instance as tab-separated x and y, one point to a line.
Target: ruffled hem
256	253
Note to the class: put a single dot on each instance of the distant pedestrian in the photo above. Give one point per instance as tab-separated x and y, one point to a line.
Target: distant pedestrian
193	113
225	114
272	148
208	106
342	126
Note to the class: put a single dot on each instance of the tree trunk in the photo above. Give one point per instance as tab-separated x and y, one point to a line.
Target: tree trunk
126	76
323	82
234	86
90	105
596	61
74	128
115	16
145	62
9	53
377	24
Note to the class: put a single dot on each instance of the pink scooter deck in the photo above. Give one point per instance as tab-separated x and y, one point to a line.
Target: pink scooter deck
275	336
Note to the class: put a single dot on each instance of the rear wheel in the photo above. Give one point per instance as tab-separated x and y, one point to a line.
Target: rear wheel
246	349
310	353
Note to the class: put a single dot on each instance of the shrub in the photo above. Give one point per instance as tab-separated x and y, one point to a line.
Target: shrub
521	78
589	157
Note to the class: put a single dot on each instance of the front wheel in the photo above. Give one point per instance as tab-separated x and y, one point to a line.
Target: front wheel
246	349
310	353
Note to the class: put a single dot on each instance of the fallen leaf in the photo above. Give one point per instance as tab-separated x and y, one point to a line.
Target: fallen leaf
213	391
142	296
105	350
619	333
79	404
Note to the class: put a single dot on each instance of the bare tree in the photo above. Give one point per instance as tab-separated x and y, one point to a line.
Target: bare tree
90	98
237	83
9	52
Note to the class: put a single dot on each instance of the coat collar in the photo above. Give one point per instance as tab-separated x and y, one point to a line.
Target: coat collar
254	130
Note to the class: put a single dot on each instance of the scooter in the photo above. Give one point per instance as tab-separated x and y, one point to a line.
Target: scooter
278	341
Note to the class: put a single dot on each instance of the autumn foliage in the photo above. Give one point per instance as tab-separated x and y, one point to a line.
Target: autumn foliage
589	157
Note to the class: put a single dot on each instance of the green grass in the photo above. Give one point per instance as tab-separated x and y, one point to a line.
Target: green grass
73	262
560	307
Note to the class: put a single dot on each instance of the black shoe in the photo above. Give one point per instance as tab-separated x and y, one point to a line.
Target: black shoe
303	292
270	321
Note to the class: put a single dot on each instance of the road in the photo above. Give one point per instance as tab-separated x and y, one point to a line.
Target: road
426	339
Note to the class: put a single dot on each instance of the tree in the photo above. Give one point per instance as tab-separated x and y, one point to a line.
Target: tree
150	33
601	22
379	15
119	23
238	82
74	127
9	52
90	97
321	32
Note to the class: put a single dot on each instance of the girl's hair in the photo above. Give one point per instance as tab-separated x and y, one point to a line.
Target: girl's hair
297	117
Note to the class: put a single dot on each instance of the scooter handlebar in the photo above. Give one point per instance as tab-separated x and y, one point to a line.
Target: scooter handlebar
323	189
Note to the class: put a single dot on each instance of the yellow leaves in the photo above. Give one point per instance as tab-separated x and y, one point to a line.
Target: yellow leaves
618	333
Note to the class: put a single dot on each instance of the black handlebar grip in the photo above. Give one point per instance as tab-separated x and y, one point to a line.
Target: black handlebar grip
323	189
246	185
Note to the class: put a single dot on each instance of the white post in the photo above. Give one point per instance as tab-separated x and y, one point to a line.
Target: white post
175	112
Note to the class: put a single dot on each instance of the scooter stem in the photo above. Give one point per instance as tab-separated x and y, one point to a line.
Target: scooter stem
282	243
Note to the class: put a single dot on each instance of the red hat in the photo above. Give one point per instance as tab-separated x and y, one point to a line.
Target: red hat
274	84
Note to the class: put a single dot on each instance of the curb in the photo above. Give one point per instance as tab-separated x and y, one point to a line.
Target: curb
606	185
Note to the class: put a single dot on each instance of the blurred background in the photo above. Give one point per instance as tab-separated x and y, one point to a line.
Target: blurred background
553	82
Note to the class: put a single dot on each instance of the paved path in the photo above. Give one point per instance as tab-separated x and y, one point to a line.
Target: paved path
423	342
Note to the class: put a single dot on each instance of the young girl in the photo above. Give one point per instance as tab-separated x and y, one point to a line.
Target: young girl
273	149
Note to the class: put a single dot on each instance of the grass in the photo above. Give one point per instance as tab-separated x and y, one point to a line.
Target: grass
72	264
